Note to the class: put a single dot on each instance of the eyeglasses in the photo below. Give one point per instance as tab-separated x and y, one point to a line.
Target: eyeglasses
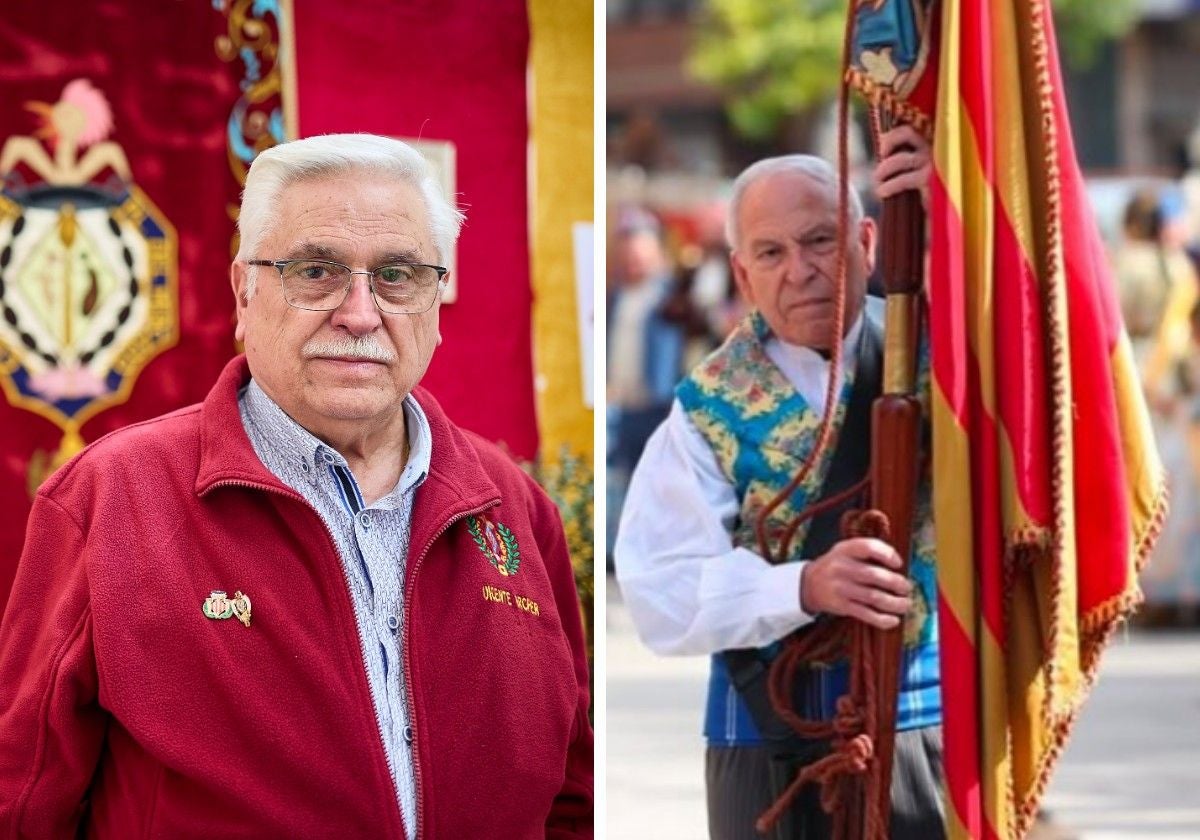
318	285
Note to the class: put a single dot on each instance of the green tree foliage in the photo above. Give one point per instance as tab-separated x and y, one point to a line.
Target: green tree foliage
569	482
778	57
1083	26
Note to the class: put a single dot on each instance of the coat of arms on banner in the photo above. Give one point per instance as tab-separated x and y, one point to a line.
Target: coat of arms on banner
88	267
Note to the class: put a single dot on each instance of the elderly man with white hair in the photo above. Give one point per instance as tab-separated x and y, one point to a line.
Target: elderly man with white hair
687	557
310	606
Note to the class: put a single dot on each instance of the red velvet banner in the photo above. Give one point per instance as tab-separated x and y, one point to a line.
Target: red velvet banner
114	229
124	133
455	71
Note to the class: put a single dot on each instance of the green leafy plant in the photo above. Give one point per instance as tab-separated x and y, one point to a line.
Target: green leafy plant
570	482
779	58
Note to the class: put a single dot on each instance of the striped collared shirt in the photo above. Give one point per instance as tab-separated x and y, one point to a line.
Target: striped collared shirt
372	542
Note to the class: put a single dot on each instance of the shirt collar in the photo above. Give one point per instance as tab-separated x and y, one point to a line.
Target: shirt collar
287	443
806	355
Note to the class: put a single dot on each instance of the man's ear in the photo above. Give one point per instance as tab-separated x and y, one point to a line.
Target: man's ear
741	277
443	287
237	279
867	234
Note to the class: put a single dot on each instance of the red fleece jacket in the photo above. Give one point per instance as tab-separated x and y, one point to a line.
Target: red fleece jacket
122	706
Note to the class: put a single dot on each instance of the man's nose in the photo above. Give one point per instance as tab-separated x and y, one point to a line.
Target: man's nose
799	264
358	312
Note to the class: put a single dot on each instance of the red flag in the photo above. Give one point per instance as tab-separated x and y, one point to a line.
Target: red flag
1036	408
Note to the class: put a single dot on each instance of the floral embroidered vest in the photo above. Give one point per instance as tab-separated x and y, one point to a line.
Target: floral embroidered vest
760	430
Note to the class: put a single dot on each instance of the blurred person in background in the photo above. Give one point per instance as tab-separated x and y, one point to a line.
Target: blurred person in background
705	301
645	348
1193	435
687	559
1190	186
1157	287
1158	291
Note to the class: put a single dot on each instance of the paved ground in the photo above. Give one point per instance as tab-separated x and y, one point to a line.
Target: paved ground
1132	770
655	767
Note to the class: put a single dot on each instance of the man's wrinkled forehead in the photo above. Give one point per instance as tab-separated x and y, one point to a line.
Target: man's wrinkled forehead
334	251
320	216
778	196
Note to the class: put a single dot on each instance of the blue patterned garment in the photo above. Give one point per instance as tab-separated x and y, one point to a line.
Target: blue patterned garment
760	430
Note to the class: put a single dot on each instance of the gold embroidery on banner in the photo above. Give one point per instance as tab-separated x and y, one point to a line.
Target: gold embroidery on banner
88	271
264	115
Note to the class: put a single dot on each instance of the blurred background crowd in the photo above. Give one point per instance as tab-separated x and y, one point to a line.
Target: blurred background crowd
698	90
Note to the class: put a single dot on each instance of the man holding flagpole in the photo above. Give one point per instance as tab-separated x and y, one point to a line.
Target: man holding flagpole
691	573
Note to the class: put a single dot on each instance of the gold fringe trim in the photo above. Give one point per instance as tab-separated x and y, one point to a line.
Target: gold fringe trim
1105	620
1097	631
1010	792
1060	400
882	96
1099	624
1095	623
1162	506
1060	732
1024	545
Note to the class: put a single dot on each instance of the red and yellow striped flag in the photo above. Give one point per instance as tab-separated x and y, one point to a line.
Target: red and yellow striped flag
1036	408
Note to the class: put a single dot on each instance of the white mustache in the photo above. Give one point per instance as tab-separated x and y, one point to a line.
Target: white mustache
365	347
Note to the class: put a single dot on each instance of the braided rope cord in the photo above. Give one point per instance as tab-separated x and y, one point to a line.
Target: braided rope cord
849	777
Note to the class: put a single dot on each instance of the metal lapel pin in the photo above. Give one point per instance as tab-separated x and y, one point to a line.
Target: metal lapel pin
219	606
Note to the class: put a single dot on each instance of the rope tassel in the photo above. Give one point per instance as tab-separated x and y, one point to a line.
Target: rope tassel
855	777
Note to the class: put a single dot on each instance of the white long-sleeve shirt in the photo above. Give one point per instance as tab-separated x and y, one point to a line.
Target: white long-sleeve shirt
687	588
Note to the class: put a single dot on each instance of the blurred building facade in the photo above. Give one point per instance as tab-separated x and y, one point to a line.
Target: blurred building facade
1132	110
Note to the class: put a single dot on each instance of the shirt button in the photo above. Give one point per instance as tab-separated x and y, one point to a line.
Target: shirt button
364	519
304	467
408	735
327	457
393	623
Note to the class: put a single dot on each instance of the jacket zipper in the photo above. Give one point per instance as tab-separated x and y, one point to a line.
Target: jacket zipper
409	587
362	647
